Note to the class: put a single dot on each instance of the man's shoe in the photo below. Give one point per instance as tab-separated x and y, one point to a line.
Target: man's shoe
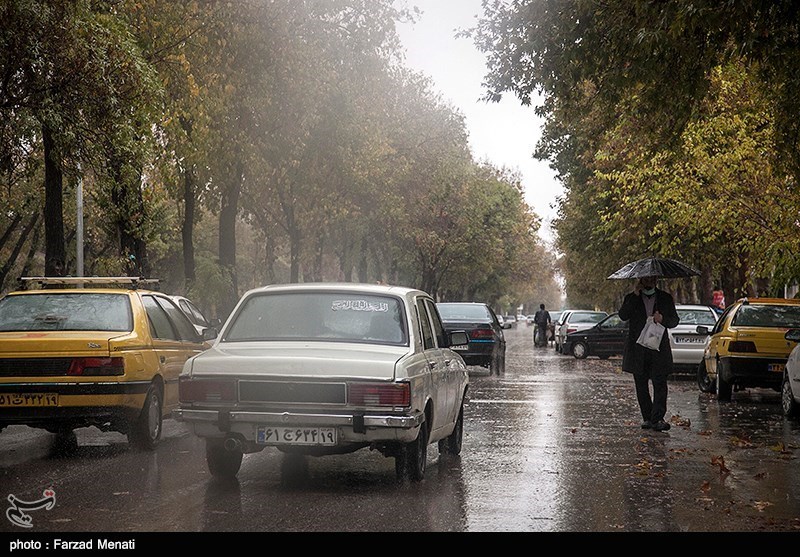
647	425
661	425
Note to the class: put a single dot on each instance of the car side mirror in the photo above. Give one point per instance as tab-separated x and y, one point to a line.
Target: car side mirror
458	338
210	333
792	335
216	323
702	330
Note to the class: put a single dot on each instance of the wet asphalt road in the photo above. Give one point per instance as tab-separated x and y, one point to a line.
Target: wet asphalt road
554	445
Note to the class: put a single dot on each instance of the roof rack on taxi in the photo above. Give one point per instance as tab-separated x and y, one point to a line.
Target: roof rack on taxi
133	282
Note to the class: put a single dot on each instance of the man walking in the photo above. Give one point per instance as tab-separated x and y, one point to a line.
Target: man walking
649	366
541	320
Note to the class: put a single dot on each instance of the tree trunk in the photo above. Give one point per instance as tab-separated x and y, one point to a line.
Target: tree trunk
229	210
187	228
9	264
54	251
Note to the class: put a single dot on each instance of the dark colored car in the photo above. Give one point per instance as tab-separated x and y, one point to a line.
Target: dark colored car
606	338
487	343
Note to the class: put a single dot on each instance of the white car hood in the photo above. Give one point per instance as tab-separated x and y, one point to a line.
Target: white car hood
299	359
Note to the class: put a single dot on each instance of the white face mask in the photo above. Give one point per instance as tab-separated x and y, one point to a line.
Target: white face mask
649	291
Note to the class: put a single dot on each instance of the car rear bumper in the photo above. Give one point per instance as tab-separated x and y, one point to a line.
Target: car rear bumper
352	428
478	353
752	372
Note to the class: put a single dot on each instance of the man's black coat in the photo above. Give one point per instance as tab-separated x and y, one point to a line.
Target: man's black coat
633	311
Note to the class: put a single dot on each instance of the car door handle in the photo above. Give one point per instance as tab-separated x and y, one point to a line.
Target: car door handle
162	359
431	365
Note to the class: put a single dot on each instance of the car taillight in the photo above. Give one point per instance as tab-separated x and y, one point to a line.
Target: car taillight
206	390
481	333
742	346
96	366
571	330
380	394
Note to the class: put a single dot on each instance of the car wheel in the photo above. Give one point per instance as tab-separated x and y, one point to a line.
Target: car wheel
146	431
724	389
789	405
580	350
412	457
222	463
703	380
65	443
453	442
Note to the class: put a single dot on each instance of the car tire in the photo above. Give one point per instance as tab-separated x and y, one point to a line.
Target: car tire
704	382
790	407
498	364
580	350
724	389
412	458
145	433
453	442
222	463
65	443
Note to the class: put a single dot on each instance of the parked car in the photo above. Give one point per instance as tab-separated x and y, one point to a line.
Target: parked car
748	347
195	315
551	329
790	386
511	320
686	343
326	368
529	319
604	339
574	321
107	354
556	325
487	343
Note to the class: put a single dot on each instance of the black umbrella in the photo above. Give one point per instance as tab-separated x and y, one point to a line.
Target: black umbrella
655	267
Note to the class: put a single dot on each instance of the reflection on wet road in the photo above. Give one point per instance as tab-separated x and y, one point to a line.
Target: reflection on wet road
554	445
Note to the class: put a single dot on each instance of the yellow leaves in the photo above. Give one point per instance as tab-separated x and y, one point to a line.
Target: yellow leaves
761	505
740	442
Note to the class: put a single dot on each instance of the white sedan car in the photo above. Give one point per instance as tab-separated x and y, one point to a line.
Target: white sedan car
686	343
328	368
790	388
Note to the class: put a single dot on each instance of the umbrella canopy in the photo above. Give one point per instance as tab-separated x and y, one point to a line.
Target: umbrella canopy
655	267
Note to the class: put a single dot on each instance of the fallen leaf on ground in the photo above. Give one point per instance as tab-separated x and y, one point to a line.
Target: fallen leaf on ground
761	505
719	461
705	486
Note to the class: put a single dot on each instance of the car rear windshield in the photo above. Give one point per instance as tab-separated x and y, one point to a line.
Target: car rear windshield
576	317
697	316
328	316
463	312
66	312
767	316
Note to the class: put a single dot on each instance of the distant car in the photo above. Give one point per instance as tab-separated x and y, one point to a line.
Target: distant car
510	319
604	339
487	343
318	369
106	354
529	319
790	386
686	343
747	347
574	321
194	314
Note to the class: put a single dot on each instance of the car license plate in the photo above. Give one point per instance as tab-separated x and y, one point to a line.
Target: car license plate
28	399
775	367
690	340
460	347
296	436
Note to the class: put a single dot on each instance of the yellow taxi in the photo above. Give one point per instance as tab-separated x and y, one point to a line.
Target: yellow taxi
747	347
101	351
